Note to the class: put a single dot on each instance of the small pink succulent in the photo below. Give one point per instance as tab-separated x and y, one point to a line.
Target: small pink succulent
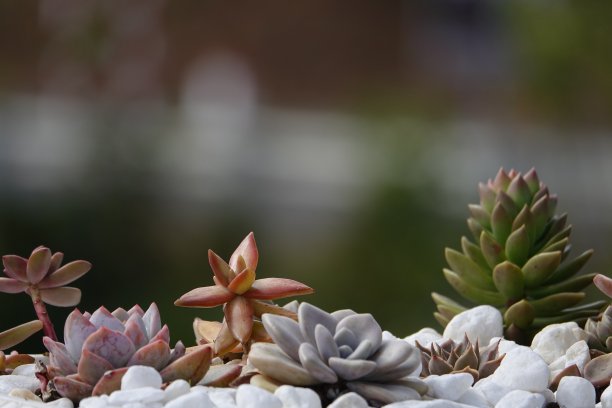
98	348
41	277
243	297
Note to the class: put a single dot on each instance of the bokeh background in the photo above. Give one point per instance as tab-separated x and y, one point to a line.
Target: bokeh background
349	136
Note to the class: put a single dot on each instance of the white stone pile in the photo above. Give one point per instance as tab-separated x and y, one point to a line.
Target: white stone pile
521	381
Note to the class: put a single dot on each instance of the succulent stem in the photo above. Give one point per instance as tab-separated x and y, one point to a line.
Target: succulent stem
41	312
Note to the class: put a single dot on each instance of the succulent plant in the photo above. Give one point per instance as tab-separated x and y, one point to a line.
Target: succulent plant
242	296
517	262
599	369
98	348
41	277
10	338
464	357
338	352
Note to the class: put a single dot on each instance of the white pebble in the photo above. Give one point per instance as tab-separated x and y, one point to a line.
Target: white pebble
553	341
25	369
425	337
250	396
575	392
349	400
449	386
578	354
521	399
492	391
222	397
297	397
606	397
176	389
191	400
480	323
94	402
145	395
139	377
9	382
428	404
522	369
474	398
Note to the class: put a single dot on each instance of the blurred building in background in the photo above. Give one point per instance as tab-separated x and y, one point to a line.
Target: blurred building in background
349	136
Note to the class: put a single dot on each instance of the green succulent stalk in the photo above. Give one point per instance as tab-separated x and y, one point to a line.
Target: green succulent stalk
518	259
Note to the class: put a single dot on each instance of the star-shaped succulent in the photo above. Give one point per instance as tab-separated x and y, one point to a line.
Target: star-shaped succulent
41	277
243	297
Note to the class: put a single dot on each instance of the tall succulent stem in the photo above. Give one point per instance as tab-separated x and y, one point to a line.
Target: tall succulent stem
41	312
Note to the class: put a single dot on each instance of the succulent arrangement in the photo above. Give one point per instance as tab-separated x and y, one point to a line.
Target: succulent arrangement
518	262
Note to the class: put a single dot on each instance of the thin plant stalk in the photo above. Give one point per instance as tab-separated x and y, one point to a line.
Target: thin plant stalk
43	315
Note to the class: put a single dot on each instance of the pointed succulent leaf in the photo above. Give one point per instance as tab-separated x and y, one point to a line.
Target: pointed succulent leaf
191	367
521	314
205	330
555	227
76	330
10	285
102	317
285	332
519	191
604	284
518	246
570	268
447	302
259	308
311	361
239	315
15	267
163	334
38	264
92	367
501	223
599	370
221	375
467	359
72	388
569	371
480	215
56	261
276	288
551	305
152	320
136	309
66	274
364	326
248	251
177	352
475	228
155	354
220	268
135	330
309	317
471	293
59	356
441	319
473	252
508	280
574	284
110	381
468	270
208	296
112	346
487	197
561	245
16	335
326	346
65	296
225	341
501	181
508	203
491	250
525	218
121	314
539	211
532	180
540	267
242	282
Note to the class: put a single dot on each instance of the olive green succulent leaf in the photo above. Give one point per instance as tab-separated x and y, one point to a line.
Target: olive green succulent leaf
491	249
518	246
508	279
570	268
468	270
573	284
501	223
521	314
16	335
540	267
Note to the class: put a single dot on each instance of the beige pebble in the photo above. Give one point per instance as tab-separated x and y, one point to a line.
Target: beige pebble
25	394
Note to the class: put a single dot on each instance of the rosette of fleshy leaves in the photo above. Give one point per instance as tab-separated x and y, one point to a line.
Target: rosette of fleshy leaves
98	348
599	329
12	337
244	298
518	260
44	278
451	357
338	352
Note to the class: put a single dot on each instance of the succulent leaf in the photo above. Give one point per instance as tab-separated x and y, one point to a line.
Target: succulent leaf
508	279
38	264
10	285
15	267
17	334
66	274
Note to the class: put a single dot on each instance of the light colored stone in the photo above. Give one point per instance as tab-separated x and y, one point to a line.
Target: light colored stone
25	369
522	369
474	398
196	399
176	389
250	396
504	345
521	399
578	354
10	382
606	397
24	394
16	402
140	377
222	397
480	323
297	397
448	386
428	404
425	337
553	341
491	390
144	395
575	392
349	400
94	402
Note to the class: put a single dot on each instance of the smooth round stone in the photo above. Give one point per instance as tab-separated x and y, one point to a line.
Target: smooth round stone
480	323
606	397
94	402
10	382
250	396
554	340
297	397
578	354
474	398
222	397
449	386
492	391
521	399
25	394
144	394
139	377
349	400
25	369
522	369
196	399
575	392
425	337
176	389
428	404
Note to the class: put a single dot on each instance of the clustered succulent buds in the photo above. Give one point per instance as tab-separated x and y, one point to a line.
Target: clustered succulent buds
517	262
243	297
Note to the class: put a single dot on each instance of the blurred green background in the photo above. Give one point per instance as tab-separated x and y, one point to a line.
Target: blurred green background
349	136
